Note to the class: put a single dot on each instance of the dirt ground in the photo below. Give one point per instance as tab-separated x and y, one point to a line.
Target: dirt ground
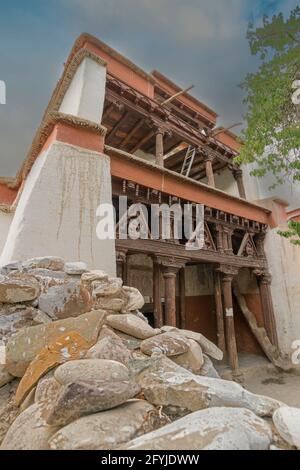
262	378
280	385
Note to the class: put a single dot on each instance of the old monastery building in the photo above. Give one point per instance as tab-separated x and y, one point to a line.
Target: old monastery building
112	130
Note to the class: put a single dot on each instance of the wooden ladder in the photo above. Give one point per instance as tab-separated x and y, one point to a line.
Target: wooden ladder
188	161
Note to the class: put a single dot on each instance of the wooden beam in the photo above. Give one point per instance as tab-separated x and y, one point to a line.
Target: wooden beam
142	141
157	308
130	134
108	111
176	95
117	125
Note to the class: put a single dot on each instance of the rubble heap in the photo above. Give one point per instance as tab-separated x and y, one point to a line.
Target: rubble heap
83	369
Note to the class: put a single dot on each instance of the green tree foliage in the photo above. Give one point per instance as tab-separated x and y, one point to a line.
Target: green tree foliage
272	134
293	233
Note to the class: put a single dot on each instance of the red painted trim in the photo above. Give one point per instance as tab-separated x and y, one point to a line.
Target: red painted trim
171	184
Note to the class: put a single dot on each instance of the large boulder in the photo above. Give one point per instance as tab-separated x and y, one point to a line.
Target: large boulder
135	299
287	423
131	325
8	409
67	347
18	317
166	384
22	348
53	263
207	346
193	359
106	430
91	369
28	432
110	348
66	300
81	398
18	288
107	287
168	344
75	268
5	377
213	429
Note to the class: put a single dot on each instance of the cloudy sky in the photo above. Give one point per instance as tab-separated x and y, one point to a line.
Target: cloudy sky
196	42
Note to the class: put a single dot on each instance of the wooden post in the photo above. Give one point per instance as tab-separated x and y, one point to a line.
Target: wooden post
157	310
219	312
229	322
159	150
170	296
209	170
227	275
264	282
182	297
238	176
122	268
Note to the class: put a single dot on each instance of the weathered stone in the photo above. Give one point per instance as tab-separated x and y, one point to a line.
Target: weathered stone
18	288
107	287
91	369
110	348
191	360
67	347
21	317
92	276
135	299
208	369
287	423
105	430
75	268
41	318
11	267
80	398
48	278
22	348
115	304
129	341
28	432
53	263
66	300
165	383
28	401
213	429
8	410
5	377
132	325
207	346
170	345
47	389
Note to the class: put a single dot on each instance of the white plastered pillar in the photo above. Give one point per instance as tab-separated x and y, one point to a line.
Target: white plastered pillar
56	212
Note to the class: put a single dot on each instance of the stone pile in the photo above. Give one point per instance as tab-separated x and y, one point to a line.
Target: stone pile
83	369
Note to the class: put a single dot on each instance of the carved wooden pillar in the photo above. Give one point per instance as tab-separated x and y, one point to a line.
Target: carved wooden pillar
227	240
159	149
182	297
227	275
157	309
170	295
208	159
219	312
220	242
122	268
238	176
170	267
264	282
